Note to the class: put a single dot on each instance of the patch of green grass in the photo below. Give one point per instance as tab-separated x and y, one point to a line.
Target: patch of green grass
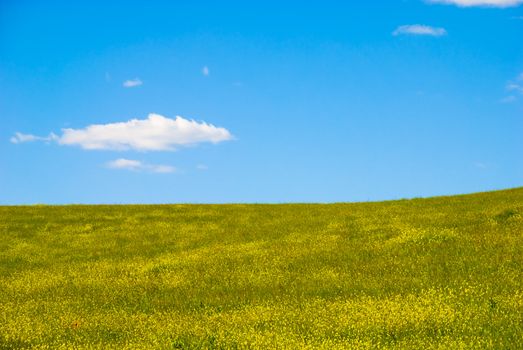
431	273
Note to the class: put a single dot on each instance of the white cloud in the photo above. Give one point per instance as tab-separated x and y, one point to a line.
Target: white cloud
419	29
156	133
123	163
136	165
515	87
202	167
482	3
21	138
132	83
205	71
163	169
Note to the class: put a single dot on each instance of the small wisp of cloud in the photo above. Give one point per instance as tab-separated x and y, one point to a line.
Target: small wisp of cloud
419	29
132	83
479	3
515	87
136	165
21	138
202	167
205	71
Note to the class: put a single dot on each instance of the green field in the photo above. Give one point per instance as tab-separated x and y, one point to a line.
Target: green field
443	272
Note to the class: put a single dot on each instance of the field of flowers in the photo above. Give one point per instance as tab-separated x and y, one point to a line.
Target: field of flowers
432	273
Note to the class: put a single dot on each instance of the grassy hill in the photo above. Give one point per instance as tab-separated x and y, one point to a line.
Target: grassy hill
442	272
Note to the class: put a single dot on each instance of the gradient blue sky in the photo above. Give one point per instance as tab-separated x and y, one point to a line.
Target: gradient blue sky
327	101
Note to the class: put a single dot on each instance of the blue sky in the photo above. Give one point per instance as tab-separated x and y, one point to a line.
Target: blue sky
294	102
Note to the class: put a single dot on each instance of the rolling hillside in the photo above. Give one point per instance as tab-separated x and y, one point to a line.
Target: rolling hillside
443	272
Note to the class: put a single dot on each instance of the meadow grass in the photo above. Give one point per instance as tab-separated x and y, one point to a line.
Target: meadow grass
432	273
